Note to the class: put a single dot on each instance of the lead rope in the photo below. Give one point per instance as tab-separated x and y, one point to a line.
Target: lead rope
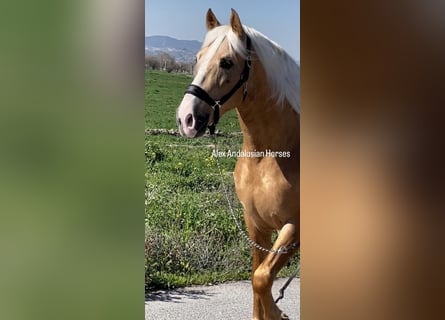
281	250
281	291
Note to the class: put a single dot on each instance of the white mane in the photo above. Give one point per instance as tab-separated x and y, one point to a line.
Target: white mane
283	73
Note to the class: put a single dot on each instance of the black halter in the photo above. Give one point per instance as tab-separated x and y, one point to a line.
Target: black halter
216	104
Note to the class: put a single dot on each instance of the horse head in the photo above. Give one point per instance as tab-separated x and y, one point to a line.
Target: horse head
219	74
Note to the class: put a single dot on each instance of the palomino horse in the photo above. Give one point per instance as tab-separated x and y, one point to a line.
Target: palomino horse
238	67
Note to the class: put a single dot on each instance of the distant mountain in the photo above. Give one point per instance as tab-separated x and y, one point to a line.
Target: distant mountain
181	50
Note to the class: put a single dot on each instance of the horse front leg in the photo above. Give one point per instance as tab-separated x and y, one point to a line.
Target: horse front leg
263	238
266	272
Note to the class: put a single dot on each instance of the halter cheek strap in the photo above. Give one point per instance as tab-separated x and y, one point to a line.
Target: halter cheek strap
200	93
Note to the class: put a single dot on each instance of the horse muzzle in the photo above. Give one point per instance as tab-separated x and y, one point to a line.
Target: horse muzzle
192	117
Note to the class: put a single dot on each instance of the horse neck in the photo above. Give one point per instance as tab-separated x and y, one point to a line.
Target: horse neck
265	124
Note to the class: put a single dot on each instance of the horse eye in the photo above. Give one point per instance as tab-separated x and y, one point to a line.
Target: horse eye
225	63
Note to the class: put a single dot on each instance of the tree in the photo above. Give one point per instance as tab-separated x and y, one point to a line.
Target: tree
166	62
152	62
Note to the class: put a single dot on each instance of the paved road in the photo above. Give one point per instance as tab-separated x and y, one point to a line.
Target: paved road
228	301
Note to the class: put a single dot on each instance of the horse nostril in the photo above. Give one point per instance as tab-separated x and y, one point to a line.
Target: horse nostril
189	120
179	121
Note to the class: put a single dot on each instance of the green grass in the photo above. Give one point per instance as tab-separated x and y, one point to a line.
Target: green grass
163	93
190	235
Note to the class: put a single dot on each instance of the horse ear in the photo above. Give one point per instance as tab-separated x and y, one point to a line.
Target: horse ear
211	20
236	25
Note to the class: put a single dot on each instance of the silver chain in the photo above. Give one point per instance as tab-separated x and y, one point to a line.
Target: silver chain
281	250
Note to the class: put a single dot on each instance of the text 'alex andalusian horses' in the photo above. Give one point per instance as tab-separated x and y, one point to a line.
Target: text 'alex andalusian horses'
238	67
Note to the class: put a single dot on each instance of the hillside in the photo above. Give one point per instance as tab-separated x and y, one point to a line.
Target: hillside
181	50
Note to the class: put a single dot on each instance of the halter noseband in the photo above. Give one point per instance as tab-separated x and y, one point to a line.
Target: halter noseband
200	93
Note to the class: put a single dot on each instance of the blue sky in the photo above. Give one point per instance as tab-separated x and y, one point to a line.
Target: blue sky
185	19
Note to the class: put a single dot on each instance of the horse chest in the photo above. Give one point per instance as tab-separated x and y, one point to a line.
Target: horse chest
265	193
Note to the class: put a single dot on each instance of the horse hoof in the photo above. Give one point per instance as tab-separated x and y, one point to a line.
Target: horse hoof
284	316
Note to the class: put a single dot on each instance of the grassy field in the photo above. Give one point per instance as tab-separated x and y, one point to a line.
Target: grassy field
190	236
